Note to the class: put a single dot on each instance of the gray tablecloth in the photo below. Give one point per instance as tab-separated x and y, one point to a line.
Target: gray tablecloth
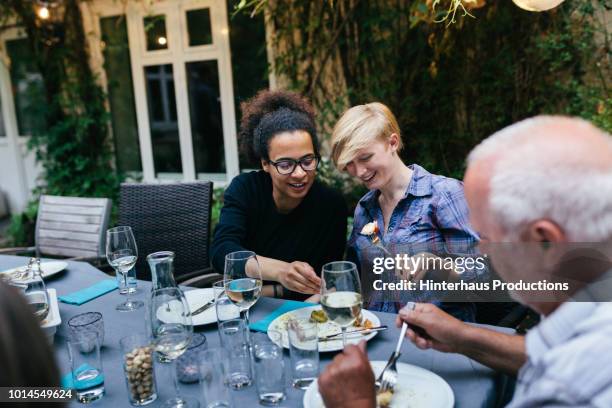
473	384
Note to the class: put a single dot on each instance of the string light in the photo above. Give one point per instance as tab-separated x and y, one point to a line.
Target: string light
43	13
162	41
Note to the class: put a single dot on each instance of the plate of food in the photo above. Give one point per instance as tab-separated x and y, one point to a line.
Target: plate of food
48	269
416	388
326	328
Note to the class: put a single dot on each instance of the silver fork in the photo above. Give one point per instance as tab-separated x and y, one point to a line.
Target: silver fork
388	376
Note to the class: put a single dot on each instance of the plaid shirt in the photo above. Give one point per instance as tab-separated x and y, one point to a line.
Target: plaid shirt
432	216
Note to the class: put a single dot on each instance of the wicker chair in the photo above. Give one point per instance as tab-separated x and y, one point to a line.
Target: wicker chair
171	217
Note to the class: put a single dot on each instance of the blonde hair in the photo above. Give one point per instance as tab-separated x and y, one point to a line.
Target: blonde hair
359	127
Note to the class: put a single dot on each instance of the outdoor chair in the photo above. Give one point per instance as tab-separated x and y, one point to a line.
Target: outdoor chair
73	227
171	217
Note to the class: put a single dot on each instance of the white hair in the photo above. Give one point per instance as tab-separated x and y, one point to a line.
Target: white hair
538	175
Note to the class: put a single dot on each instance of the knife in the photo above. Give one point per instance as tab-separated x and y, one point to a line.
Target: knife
204	308
333	336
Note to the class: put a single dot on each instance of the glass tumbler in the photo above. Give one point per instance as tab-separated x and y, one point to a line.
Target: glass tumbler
138	369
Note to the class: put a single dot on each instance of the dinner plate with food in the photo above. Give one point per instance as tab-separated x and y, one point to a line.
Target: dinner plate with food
416	388
330	338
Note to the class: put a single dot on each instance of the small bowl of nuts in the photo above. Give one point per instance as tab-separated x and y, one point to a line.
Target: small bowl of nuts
138	369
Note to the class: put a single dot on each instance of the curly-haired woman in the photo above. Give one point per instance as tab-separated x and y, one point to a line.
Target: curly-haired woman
291	221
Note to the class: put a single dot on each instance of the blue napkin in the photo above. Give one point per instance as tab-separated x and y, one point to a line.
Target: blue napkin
289	305
90	293
91	381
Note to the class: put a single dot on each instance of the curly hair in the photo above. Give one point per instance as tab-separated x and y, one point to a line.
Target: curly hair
269	113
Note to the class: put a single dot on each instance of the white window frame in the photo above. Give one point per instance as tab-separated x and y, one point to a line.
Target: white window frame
177	54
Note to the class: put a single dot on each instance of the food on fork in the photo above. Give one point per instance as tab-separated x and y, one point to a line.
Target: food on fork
371	230
383	398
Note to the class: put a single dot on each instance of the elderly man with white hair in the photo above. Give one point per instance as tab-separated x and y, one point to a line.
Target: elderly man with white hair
535	190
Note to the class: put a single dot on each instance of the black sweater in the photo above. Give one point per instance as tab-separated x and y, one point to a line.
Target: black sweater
314	232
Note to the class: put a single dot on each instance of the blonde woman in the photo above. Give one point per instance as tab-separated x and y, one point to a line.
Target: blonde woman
412	207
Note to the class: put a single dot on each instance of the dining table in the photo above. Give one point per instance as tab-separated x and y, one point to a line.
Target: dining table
473	384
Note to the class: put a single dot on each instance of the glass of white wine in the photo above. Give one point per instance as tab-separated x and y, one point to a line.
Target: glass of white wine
341	294
242	280
171	330
122	253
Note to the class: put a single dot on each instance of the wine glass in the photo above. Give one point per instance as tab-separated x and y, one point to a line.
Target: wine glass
242	280
341	294
171	330
122	253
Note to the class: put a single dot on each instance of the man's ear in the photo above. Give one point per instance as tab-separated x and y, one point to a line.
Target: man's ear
265	165
544	231
393	141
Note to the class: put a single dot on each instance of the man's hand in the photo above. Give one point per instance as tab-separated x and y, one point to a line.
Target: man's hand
433	328
300	277
349	380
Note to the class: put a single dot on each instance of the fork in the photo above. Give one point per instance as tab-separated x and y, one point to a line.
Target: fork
388	376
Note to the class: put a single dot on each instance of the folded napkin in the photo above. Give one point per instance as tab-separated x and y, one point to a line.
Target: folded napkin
289	305
91	380
90	293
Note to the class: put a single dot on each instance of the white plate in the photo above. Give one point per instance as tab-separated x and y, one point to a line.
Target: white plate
53	319
48	269
195	298
325	329
416	388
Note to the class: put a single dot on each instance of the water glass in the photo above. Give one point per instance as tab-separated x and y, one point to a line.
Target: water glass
225	308
128	285
269	370
138	368
213	378
304	352
84	323
232	333
86	366
238	366
187	369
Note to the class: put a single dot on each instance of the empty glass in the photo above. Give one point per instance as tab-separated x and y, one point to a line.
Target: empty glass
304	352
232	333
213	377
84	323
225	308
86	366
138	368
269	370
238	366
122	253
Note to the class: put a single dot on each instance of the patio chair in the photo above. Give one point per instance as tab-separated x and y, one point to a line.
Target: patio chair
171	217
73	227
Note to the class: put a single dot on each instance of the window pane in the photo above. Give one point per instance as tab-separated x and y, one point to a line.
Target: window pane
28	90
249	60
205	113
2	132
164	127
198	26
121	93
155	31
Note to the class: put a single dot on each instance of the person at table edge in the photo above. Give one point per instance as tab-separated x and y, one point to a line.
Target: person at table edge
416	210
544	180
293	222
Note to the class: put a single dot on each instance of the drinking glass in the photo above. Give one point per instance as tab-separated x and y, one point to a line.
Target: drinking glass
84	323
131	282
341	294
232	334
36	291
86	366
304	352
269	369
212	373
225	308
171	329
242	278
139	369
122	253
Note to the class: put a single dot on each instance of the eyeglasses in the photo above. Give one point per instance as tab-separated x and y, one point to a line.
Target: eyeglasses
287	166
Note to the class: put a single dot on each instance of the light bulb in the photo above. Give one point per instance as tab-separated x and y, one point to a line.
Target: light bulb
537	5
162	40
43	12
